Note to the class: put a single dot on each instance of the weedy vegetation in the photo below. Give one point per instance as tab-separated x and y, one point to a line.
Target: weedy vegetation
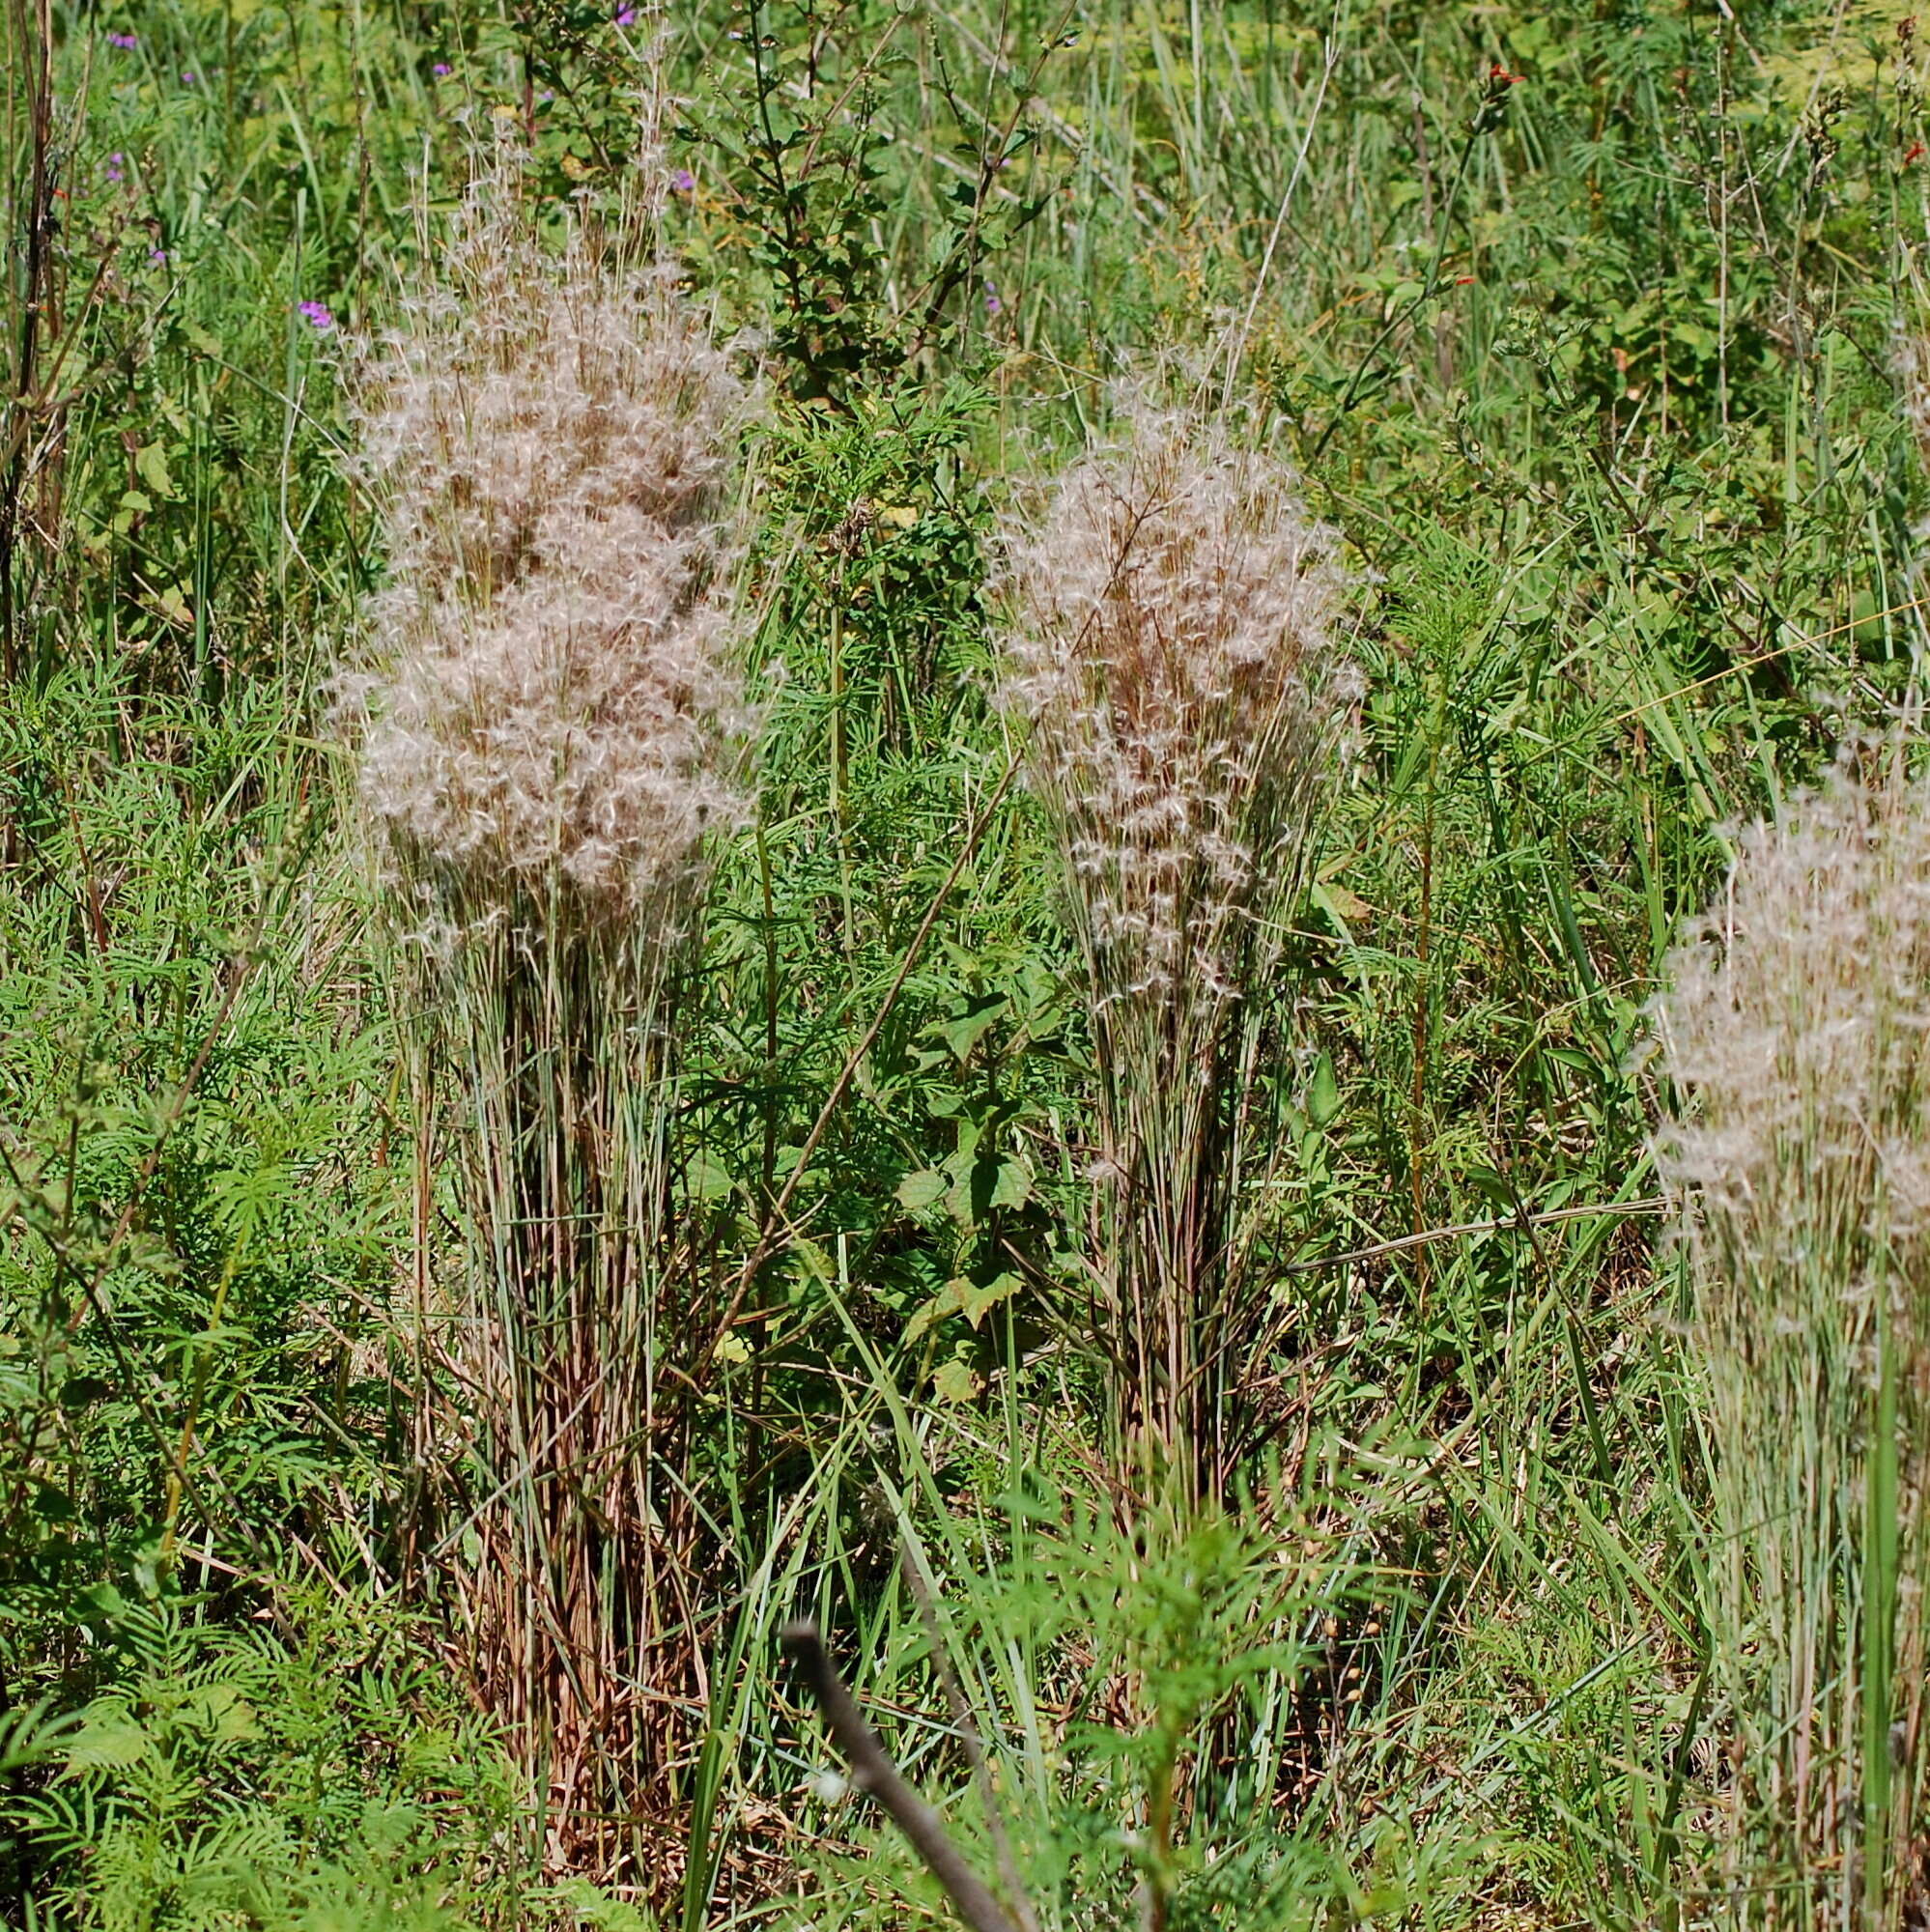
1085	847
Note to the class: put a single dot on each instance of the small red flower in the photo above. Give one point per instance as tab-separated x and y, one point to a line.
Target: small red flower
1916	153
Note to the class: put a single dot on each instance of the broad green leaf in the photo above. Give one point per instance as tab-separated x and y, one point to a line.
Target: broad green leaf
963	1033
923	1190
955	1382
151	464
1323	1094
706	1178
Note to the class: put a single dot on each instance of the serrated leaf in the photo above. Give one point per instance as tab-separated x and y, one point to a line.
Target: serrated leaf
963	1296
970	1191
1013	1188
811	1259
999	1181
955	1382
150	466
1343	907
234	1719
923	1190
976	1299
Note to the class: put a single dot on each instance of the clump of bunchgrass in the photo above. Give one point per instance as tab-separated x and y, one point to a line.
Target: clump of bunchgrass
548	734
1798	1028
1171	657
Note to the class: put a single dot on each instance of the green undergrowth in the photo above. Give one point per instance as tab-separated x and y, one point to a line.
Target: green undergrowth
1581	325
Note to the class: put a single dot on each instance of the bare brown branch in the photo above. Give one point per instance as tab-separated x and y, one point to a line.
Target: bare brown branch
872	1771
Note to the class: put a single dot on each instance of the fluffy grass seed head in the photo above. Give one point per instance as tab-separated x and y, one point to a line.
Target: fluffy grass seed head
1799	1019
1172	658
550	438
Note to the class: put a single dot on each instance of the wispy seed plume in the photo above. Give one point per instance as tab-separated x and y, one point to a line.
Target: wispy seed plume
1173	658
550	438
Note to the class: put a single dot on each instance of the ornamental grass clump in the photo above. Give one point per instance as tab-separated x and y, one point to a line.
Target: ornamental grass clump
1172	661
548	740
1798	1028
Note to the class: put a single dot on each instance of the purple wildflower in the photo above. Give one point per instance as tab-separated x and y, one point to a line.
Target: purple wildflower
993	306
441	70
114	166
187	77
157	256
626	16
319	317
683	181
126	41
